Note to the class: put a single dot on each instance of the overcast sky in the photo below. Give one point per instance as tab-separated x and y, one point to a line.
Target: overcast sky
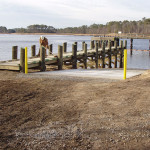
70	13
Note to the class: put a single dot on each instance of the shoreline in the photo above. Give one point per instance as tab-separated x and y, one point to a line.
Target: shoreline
111	34
52	34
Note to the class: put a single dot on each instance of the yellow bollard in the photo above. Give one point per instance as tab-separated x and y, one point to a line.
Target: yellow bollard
26	60
125	64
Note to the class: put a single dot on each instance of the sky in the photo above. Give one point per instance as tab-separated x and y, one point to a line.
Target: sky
70	13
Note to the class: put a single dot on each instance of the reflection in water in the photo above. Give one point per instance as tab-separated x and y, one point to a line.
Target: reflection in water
140	59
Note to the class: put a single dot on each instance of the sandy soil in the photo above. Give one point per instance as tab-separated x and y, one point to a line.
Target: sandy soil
52	113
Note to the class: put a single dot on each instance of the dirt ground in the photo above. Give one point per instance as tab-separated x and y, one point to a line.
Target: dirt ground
78	114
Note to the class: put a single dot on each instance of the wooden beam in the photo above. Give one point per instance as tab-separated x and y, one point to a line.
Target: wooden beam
22	60
103	54
33	50
115	53
109	54
60	57
14	52
42	58
100	44
125	44
74	56
96	55
65	47
50	49
121	55
92	45
85	56
83	45
131	46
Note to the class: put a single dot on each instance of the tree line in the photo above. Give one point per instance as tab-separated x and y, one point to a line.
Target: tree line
139	27
36	28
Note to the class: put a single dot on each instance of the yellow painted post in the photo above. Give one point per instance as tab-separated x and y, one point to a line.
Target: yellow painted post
26	60
125	64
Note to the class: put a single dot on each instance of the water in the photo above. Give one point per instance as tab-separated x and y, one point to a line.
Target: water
139	60
7	41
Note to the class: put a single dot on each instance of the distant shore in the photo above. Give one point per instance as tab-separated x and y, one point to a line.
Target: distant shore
53	34
111	34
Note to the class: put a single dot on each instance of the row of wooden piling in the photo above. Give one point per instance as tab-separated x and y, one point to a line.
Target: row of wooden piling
96	45
50	48
33	51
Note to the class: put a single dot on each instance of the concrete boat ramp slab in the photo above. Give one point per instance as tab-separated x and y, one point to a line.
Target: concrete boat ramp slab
116	74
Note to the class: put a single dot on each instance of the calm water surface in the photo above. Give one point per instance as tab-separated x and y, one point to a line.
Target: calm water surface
140	59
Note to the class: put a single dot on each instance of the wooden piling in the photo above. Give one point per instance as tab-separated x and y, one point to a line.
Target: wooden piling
33	50
131	46
117	39
92	45
65	50
50	49
99	44
76	43
125	44
42	58
103	54
106	43
85	56
115	53
22	60
96	55
121	55
113	43
83	45
74	56
109	54
14	52
60	57
65	47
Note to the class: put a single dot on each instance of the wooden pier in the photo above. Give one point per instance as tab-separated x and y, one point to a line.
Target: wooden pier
101	54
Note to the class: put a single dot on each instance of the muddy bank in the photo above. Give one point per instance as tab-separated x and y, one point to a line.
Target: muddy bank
51	113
